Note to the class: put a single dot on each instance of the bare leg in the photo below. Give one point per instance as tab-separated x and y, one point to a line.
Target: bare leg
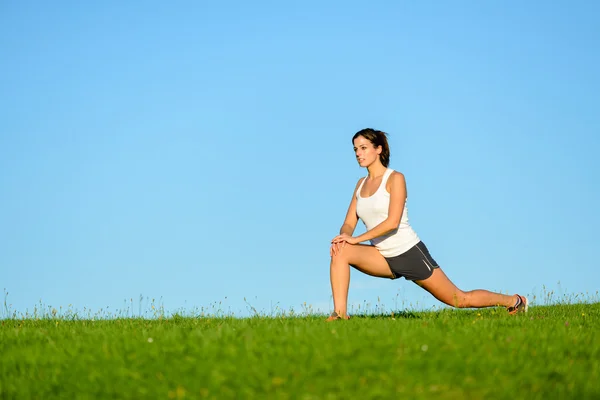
366	259
445	291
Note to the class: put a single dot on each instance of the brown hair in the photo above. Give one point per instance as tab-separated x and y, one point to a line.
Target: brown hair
378	138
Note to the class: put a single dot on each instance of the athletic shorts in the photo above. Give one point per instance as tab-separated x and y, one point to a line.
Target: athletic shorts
414	265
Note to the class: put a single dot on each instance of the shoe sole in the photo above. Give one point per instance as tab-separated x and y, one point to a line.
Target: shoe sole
526	303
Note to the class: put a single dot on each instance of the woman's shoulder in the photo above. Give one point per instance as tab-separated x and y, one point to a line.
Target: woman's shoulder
396	175
397	179
360	181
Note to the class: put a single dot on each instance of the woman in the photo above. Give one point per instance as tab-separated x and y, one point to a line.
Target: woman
379	200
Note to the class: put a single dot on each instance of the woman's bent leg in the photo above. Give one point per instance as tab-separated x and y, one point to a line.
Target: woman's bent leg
445	291
366	259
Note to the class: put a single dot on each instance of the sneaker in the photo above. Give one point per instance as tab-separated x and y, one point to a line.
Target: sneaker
521	305
334	316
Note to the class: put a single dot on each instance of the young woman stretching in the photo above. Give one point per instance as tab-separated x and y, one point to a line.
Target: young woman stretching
379	200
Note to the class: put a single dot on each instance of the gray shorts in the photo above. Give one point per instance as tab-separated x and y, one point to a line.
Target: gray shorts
415	264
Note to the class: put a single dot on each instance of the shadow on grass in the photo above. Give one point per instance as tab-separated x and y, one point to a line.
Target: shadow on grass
390	315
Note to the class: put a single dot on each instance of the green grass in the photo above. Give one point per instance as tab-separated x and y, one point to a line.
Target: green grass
551	352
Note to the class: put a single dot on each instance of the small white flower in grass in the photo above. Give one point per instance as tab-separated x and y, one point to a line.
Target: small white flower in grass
424	347
150	340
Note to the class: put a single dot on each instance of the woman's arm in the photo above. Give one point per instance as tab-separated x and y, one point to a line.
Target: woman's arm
350	222
351	218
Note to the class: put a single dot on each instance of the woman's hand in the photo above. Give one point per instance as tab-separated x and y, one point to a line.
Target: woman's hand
344	237
336	248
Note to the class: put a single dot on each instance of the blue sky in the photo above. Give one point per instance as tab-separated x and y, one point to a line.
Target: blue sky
200	153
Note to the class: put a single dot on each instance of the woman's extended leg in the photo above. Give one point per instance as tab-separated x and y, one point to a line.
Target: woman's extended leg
365	258
445	291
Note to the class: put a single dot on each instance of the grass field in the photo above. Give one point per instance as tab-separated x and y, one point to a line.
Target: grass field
553	352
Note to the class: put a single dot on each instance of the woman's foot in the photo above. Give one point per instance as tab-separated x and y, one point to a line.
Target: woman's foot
334	316
522	305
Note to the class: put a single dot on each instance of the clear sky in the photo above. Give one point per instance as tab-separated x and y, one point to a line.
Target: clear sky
200	152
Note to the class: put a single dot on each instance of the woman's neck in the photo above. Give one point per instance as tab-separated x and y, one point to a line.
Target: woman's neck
376	170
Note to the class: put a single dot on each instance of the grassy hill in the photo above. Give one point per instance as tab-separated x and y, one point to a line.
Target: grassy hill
551	352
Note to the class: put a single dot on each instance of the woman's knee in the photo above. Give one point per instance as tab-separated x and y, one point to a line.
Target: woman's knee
336	258
342	253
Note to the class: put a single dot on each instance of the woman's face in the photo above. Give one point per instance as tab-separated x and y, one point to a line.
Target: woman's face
366	153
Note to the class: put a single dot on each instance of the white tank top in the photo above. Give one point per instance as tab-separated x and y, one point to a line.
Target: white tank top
373	210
